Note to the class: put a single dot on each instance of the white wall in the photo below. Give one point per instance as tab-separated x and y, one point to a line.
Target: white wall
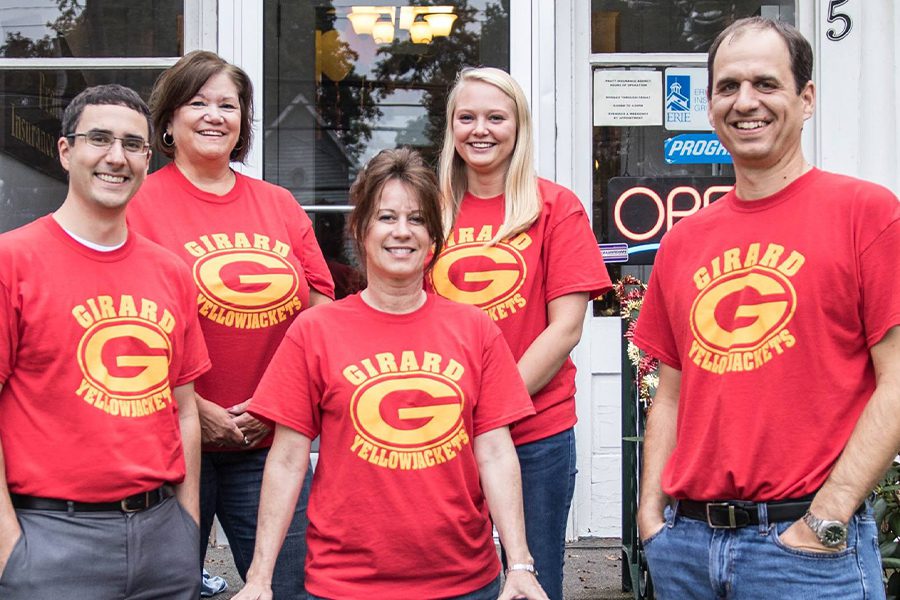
858	78
605	472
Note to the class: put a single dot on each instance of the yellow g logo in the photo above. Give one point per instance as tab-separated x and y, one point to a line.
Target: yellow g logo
479	275
743	310
246	280
126	358
407	412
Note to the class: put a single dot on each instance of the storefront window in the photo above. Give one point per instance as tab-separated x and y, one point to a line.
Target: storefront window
672	25
656	159
90	28
343	82
32	99
32	182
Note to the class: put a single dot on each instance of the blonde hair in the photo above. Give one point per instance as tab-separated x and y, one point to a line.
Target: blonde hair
522	201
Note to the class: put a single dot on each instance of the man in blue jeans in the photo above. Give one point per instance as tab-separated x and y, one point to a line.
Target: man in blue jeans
774	313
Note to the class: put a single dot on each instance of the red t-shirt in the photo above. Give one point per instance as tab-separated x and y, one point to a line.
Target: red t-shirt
254	257
514	280
769	309
91	346
396	508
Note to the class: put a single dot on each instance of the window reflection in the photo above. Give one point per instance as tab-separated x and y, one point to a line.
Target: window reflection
32	182
334	95
91	28
672	25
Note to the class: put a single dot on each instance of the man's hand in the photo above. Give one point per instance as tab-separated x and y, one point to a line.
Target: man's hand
252	428
254	591
217	425
800	537
522	584
8	541
650	522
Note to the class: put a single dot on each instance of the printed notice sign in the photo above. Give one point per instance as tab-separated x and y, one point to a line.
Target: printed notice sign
686	100
627	98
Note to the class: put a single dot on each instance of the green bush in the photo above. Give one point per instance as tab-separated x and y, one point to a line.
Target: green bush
887	515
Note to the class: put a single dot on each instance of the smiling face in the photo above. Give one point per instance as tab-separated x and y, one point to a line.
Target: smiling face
484	127
397	240
105	178
206	128
754	105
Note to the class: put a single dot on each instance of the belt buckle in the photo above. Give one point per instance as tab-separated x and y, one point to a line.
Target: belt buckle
732	522
126	506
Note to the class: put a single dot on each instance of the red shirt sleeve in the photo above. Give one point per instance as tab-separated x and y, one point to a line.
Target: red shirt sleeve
572	259
653	333
502	398
195	356
285	393
9	333
306	247
880	291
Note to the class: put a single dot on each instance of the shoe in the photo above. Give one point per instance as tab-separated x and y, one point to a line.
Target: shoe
212	585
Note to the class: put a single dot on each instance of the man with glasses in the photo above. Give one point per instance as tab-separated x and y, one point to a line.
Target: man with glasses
99	346
775	313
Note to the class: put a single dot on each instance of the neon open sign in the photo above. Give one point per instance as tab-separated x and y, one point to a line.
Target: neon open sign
643	209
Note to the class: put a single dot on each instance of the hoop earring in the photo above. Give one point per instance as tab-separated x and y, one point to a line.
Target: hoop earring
168	139
237	149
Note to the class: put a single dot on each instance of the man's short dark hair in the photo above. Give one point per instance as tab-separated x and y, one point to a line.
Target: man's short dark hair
799	50
110	93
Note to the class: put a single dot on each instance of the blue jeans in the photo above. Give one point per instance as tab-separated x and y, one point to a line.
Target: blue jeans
230	483
488	592
689	560
548	484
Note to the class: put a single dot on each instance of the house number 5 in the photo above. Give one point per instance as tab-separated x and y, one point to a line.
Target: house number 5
834	17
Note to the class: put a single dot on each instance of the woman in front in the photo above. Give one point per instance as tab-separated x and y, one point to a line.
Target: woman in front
520	248
411	395
256	265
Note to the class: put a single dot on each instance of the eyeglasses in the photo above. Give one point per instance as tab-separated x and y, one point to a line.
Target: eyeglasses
103	139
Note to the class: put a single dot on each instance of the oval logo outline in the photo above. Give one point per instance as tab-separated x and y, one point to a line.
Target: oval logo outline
207	269
758	278
501	254
94	339
368	396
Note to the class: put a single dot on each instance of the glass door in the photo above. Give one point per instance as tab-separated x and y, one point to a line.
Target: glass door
342	82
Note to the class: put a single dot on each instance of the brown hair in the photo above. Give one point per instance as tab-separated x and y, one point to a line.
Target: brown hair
408	167
181	82
799	50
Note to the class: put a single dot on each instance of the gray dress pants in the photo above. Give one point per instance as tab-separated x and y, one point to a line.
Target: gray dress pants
152	554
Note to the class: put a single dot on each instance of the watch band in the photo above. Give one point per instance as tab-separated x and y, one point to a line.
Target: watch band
522	567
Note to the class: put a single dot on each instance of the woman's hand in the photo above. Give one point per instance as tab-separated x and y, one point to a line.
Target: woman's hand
522	584
251	428
254	591
217	425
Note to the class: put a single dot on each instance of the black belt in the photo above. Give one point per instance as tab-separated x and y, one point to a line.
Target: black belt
134	503
734	513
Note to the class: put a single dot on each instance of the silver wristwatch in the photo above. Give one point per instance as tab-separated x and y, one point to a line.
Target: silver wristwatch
832	534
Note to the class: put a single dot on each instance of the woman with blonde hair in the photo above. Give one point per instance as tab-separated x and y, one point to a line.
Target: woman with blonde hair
520	248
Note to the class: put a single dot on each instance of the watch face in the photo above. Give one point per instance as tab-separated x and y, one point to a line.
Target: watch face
833	534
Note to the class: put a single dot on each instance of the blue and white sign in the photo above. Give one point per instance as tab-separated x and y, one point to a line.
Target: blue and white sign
685	100
696	149
614	253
